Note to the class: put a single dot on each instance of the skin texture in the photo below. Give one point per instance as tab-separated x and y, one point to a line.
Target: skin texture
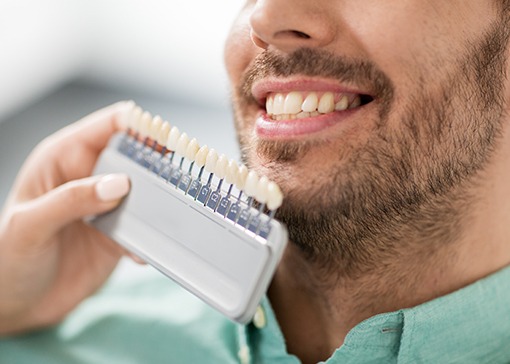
394	208
50	260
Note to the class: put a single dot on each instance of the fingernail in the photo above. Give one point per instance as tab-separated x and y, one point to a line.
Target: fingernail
112	187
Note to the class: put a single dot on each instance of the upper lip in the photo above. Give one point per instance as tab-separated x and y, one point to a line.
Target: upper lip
262	88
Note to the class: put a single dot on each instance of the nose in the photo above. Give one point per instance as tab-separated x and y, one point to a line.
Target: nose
291	24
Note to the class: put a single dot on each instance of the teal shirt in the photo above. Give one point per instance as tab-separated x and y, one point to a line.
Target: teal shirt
148	319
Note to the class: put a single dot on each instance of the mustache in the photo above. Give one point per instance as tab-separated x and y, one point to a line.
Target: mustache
317	63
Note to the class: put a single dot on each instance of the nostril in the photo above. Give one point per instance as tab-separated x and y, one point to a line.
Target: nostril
301	34
292	34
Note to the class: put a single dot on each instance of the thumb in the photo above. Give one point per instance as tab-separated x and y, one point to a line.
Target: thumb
74	200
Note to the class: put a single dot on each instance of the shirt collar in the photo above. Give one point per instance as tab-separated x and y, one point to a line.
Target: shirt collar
468	325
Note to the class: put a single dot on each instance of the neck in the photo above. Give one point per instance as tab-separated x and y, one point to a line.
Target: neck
316	310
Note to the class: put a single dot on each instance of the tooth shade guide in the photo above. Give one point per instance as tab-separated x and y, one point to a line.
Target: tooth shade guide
243	188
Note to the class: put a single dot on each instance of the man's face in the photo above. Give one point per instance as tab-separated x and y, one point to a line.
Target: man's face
382	115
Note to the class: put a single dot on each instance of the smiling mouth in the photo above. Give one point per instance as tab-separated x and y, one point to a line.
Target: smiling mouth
300	105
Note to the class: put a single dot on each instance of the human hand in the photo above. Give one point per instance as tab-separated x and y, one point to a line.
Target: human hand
50	260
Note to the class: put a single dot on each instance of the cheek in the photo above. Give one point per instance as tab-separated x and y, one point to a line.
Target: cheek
239	49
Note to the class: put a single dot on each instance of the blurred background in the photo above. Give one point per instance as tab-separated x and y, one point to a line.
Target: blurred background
62	59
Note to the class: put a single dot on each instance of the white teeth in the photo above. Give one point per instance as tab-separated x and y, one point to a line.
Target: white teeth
135	118
201	156
262	192
274	196
163	133
221	166
292	104
173	137
182	144
124	117
269	105
311	102
278	102
145	124
210	161
326	103
192	149
155	126
242	174
343	104
250	187
232	171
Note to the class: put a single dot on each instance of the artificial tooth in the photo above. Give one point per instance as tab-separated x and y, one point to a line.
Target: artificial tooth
182	144
155	127
343	104
145	124
274	196
136	118
210	161
124	117
201	156
163	133
326	103
232	171
278	102
269	105
242	174
292	104
311	102
173	137
261	194
355	103
192	149
303	115
221	166
250	187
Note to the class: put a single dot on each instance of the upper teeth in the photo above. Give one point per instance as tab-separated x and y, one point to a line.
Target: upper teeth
295	105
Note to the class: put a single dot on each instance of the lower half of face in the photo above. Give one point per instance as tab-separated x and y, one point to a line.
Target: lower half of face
397	166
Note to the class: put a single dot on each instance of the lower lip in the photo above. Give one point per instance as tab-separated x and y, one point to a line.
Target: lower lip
287	129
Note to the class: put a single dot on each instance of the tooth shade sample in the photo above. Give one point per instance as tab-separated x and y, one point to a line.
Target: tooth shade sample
163	133
145	124
343	104
192	149
326	103
155	127
278	104
182	144
173	137
292	103
262	192
274	196
210	161
221	166
242	174
135	119
201	156
250	187
232	171
124	117
311	102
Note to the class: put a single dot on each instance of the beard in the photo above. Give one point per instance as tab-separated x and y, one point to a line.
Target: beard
405	189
